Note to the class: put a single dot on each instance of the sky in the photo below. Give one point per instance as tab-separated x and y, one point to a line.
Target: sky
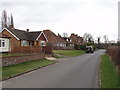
97	17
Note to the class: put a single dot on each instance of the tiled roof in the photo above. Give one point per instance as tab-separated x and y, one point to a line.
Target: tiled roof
25	35
52	37
61	39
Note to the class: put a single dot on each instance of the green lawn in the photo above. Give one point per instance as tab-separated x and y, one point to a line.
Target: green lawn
119	80
69	52
57	56
108	73
13	54
9	71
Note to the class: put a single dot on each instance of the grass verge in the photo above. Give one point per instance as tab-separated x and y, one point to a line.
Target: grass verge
69	52
108	73
12	70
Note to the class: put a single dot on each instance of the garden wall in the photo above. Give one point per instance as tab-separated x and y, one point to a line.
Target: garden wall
11	60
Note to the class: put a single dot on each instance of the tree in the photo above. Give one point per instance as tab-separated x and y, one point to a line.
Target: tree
88	38
105	39
65	34
7	21
4	19
98	39
12	22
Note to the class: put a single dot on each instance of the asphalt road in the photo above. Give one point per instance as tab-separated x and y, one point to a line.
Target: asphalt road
74	72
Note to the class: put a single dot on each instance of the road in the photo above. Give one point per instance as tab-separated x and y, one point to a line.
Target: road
73	72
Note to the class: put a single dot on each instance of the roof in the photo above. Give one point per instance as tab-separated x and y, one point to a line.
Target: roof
80	38
69	41
4	36
52	37
25	35
61	39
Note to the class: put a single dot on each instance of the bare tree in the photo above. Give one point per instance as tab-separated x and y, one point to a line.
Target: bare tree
12	22
88	38
98	39
7	21
105	39
4	19
65	34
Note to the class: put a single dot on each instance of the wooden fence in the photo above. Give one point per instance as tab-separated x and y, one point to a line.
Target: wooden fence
114	53
26	49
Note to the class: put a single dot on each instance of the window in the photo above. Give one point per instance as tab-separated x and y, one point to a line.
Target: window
2	43
42	43
24	43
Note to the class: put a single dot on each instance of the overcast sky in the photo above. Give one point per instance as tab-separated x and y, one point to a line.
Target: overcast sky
97	17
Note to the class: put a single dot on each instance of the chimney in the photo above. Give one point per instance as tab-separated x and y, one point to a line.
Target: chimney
11	27
27	30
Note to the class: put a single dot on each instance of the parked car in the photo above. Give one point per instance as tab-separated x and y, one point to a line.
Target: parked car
89	49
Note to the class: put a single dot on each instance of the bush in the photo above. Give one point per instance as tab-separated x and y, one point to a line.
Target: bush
77	47
114	52
83	47
80	47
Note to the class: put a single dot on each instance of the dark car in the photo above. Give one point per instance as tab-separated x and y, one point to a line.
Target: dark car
89	49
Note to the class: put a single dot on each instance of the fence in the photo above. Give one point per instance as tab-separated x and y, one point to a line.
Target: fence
25	49
114	53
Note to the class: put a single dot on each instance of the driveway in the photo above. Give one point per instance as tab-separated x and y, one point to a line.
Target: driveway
72	72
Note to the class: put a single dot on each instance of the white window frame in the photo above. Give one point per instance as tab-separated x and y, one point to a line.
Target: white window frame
42	43
1	43
22	43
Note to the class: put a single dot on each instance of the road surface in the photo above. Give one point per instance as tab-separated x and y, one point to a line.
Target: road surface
72	72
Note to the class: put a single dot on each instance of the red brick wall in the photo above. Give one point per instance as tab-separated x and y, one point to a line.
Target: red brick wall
11	60
41	38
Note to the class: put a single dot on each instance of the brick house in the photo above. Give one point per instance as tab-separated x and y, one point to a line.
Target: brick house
4	43
69	43
77	40
56	41
25	38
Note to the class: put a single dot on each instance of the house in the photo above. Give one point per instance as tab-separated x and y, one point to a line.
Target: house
56	41
69	43
4	43
77	40
25	38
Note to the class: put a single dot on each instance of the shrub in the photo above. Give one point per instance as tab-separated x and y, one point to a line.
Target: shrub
83	47
77	47
114	53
